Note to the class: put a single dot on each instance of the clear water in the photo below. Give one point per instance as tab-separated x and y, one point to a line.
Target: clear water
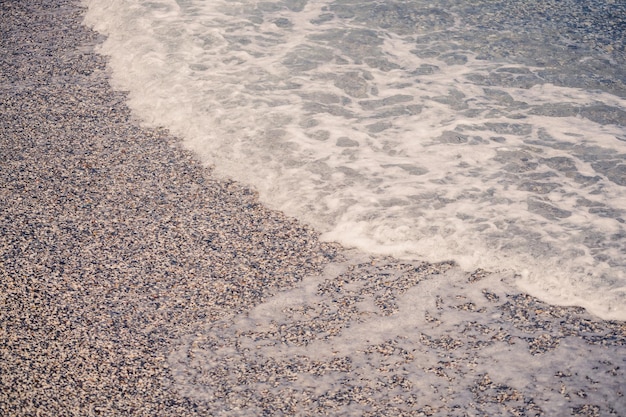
395	340
490	133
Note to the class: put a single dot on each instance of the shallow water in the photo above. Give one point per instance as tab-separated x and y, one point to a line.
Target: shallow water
491	134
372	338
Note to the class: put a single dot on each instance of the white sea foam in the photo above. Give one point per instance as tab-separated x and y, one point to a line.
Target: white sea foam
393	138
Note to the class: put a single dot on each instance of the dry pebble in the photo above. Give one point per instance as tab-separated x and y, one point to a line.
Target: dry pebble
133	281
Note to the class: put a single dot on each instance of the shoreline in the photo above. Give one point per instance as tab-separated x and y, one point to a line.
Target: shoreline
123	257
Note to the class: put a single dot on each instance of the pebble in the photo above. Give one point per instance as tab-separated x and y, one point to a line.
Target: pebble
129	275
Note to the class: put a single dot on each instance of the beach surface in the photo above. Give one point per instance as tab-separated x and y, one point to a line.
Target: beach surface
133	281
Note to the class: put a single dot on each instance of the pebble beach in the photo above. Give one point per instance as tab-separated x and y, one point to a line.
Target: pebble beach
135	282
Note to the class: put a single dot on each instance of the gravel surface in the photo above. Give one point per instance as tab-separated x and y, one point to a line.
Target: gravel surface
134	282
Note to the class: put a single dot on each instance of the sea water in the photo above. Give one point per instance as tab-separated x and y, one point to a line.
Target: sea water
488	133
